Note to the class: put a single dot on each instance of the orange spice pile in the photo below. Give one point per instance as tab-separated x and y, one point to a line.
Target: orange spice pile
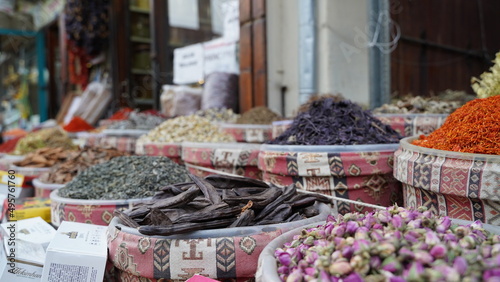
472	128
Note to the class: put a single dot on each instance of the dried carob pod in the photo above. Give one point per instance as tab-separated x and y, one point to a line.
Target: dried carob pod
217	202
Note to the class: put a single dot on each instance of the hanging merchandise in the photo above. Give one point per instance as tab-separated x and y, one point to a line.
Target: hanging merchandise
87	24
77	65
22	97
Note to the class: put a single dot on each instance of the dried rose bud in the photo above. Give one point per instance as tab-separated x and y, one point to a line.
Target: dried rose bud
438	251
443	225
460	264
295	276
340	268
361	233
385	249
353	277
431	239
391	264
406	254
351	227
397	221
416	270
467	242
423	257
375	262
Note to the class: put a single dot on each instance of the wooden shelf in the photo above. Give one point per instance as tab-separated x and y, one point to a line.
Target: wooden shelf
141	71
140	39
139	10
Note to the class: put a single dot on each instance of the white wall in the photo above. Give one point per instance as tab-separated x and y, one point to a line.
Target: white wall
343	61
282	54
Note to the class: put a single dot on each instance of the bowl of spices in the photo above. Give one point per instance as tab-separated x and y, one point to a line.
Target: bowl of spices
253	126
116	182
220	222
166	138
203	159
336	148
454	171
396	244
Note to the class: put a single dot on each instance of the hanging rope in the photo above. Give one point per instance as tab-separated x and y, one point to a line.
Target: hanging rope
333	198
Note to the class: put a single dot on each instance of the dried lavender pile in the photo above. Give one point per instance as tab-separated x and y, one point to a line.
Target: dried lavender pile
128	177
333	122
219	201
391	245
138	121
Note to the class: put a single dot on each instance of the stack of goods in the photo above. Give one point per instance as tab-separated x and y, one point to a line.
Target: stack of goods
230	211
123	134
8	146
64	172
219	115
118	181
80	161
281	125
336	148
412	116
13	134
77	124
121	114
165	139
488	83
253	126
388	245
463	156
49	137
139	121
45	157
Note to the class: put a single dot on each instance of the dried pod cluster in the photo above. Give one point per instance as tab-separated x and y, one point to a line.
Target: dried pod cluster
64	172
46	157
218	202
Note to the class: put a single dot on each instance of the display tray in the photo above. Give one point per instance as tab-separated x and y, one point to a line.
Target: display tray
267	267
125	132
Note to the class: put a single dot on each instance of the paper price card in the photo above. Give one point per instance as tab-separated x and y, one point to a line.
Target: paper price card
10	179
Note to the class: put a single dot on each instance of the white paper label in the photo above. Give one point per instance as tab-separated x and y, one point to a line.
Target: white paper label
188	64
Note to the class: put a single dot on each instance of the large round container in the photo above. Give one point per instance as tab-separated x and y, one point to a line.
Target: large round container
413	124
229	253
268	267
6	161
43	190
250	133
171	150
98	212
459	185
357	172
235	158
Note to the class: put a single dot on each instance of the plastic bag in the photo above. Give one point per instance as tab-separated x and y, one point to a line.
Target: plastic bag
187	100
220	91
167	100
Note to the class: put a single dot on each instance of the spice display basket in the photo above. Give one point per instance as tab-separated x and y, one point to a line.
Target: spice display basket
267	270
459	185
6	161
43	190
235	158
121	143
355	172
170	150
98	212
413	124
229	253
280	126
250	133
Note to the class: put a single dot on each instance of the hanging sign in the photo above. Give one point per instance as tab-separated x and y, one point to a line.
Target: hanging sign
188	64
